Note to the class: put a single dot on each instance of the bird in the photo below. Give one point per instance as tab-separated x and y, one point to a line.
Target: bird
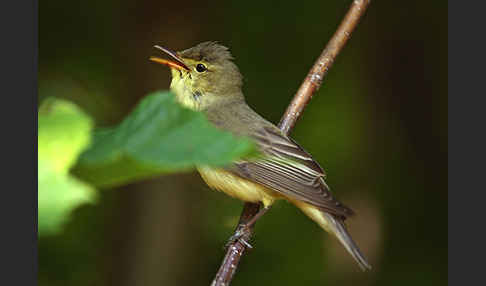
206	79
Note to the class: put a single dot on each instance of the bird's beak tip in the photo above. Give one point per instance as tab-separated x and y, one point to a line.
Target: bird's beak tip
178	63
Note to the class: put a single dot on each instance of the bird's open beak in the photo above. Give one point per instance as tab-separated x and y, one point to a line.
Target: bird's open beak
177	63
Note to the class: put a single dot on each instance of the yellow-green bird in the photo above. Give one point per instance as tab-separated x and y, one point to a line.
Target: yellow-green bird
205	79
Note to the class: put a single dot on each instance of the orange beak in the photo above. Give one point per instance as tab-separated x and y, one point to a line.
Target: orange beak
177	63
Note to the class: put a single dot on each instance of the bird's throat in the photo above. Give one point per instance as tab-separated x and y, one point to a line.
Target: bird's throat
184	94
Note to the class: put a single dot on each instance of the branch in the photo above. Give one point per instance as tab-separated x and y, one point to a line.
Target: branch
317	73
235	249
309	86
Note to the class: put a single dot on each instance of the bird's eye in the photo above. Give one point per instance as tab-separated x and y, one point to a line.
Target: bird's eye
201	68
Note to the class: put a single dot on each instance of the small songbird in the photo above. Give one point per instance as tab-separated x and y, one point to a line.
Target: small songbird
205	79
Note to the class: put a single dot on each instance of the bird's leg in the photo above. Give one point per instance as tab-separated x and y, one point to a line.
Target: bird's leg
253	220
243	231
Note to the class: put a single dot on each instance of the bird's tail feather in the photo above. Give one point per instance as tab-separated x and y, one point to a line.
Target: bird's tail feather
337	226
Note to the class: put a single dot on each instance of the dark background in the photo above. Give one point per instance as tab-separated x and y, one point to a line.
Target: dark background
378	126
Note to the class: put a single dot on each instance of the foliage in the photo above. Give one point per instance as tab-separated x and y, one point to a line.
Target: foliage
64	132
158	137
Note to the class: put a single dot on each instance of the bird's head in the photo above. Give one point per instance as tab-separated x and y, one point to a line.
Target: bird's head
203	75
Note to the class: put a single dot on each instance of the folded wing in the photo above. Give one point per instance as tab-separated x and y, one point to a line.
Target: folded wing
288	169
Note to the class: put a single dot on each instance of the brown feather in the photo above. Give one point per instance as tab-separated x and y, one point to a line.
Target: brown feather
285	166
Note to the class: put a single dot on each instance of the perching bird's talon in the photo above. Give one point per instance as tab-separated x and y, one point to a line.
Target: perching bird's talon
245	243
239	236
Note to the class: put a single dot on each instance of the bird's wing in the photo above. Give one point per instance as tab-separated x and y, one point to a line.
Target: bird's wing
288	169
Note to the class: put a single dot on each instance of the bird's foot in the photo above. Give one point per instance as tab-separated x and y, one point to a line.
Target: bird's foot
241	235
243	232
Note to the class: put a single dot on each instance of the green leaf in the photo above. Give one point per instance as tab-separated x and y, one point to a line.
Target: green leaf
63	133
159	136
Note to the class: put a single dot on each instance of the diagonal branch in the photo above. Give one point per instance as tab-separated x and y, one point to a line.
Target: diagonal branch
309	86
317	73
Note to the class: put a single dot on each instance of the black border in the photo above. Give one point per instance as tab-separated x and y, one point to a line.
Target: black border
19	65
466	143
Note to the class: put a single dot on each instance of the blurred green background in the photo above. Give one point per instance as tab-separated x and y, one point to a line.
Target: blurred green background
378	126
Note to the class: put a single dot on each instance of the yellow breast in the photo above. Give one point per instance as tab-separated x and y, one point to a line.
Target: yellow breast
237	187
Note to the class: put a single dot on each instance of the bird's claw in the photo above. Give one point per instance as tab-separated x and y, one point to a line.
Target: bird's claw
240	236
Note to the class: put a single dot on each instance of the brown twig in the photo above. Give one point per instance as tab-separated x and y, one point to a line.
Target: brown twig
309	86
235	249
317	73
